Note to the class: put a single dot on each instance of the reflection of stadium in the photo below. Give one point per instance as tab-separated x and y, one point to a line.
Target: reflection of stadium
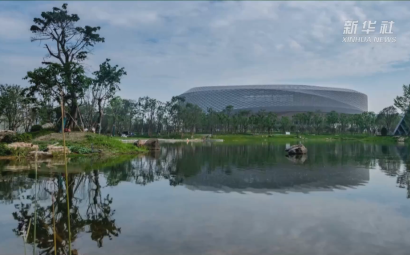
280	178
283	99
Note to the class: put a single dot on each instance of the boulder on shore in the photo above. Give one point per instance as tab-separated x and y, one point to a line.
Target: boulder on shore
57	149
28	146
298	149
139	143
152	144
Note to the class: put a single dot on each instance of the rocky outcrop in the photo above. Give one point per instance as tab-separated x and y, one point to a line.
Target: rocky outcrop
57	149
298	149
139	143
400	139
3	133
152	144
18	145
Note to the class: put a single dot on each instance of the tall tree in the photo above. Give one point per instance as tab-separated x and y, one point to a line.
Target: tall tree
285	123
403	102
70	46
332	118
388	117
105	85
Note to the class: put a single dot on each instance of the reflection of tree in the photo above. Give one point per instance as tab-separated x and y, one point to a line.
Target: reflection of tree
403	180
390	167
98	216
12	186
99	213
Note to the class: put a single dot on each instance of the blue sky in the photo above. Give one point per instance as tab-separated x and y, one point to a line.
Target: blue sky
169	47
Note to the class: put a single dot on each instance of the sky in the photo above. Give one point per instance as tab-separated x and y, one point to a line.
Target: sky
170	47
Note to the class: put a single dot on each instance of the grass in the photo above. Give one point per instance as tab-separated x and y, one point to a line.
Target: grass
246	138
278	137
88	143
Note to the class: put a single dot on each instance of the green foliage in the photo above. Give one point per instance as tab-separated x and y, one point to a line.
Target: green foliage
101	143
403	102
24	137
4	150
383	131
41	132
36	128
20	152
80	149
8	139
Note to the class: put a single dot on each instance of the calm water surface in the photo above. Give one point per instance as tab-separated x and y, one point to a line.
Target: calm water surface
348	198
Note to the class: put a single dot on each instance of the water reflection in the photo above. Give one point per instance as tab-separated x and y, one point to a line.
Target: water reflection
217	168
84	189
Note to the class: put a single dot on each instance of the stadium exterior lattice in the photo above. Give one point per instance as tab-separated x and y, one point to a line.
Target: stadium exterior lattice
282	99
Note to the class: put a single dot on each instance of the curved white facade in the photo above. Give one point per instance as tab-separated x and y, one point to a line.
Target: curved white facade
278	98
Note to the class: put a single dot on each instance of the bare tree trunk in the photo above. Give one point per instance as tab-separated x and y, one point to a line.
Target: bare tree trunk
100	115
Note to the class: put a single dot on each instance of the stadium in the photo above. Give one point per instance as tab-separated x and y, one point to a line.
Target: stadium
281	99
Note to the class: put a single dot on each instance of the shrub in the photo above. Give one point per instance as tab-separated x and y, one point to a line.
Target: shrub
8	139
79	149
4	150
36	128
20	152
383	131
24	137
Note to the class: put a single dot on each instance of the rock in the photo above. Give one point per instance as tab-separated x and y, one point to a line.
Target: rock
400	139
3	133
296	149
47	125
139	143
152	144
57	149
41	154
29	146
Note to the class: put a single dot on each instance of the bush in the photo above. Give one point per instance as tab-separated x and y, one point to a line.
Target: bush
36	128
383	131
4	150
8	139
79	149
25	137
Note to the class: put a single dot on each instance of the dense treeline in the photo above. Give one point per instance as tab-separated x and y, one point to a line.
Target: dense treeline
148	116
89	99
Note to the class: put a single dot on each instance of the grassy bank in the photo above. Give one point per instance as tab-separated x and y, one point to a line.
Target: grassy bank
81	144
242	138
248	138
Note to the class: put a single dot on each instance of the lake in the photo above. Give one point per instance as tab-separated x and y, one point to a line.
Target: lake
342	198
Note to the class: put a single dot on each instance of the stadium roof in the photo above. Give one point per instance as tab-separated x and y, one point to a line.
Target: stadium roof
272	86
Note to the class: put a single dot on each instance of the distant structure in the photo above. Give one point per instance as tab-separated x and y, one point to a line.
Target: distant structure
401	128
281	99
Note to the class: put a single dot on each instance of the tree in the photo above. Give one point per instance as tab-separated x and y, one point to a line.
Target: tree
344	121
332	118
285	123
403	102
15	107
318	121
388	116
70	45
105	85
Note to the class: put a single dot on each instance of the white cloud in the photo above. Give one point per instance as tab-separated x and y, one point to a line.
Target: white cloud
169	47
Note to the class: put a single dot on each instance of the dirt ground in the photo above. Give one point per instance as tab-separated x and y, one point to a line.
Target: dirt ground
73	136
